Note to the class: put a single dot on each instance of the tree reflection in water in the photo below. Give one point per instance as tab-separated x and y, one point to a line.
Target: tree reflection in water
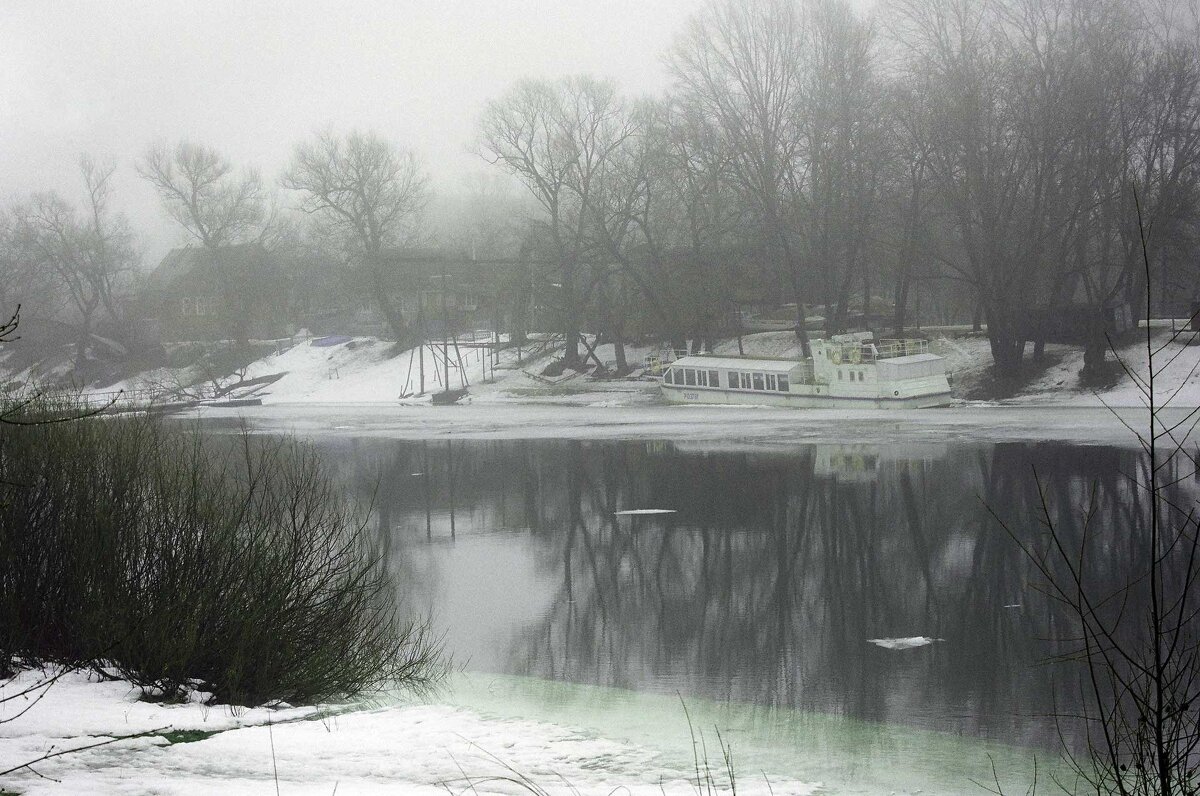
777	567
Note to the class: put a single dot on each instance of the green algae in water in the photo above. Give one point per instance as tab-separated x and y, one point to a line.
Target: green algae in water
848	756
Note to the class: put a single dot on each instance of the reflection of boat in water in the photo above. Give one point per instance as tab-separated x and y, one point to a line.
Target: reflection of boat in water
846	463
851	370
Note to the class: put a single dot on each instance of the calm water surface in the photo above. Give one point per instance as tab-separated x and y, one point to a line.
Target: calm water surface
767	582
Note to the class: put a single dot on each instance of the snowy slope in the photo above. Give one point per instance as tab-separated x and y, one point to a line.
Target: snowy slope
393	748
366	370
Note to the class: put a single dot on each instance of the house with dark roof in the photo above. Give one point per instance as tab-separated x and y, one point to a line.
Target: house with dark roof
233	292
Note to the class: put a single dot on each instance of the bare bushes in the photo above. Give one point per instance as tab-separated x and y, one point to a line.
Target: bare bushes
229	563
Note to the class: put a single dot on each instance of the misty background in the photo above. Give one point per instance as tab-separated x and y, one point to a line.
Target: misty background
253	80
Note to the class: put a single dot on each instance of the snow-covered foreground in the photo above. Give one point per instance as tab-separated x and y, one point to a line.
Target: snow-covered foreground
484	735
397	748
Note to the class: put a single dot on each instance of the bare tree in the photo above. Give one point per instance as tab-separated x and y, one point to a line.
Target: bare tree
23	280
219	207
997	89
557	137
201	192
88	254
1041	119
791	88
110	242
741	64
1138	642
370	195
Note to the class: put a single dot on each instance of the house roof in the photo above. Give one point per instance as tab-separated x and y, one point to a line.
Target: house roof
185	261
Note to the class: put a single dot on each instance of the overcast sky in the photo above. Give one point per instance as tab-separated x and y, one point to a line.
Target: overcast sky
252	79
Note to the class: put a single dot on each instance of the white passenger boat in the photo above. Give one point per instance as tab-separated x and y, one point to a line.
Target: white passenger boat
851	370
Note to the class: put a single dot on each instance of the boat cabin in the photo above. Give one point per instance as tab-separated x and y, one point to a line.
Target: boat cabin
845	370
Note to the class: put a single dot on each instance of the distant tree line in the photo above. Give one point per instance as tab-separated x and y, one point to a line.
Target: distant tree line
984	154
979	161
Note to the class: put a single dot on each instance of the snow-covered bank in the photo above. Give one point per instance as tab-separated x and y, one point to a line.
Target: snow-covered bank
484	731
395	748
369	371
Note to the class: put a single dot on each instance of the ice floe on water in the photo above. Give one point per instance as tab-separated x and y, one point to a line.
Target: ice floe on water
708	427
907	643
636	512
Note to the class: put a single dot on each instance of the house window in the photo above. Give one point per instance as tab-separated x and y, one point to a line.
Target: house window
758	381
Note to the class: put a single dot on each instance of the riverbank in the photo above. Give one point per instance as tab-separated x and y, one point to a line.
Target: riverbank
485	735
369	371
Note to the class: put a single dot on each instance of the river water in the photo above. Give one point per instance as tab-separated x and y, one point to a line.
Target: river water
767	582
760	592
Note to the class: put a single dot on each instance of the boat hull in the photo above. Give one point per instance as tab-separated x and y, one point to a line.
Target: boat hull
709	395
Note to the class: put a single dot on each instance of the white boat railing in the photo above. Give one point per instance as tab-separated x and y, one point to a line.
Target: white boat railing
901	348
867	351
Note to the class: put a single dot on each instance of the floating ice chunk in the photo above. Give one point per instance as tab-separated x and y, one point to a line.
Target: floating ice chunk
629	512
1013	605
903	643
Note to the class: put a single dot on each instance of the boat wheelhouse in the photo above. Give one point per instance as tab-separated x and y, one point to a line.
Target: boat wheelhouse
850	370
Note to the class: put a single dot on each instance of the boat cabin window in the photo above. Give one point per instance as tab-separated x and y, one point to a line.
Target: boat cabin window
758	381
689	377
771	382
839	374
714	378
783	383
669	376
735	380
